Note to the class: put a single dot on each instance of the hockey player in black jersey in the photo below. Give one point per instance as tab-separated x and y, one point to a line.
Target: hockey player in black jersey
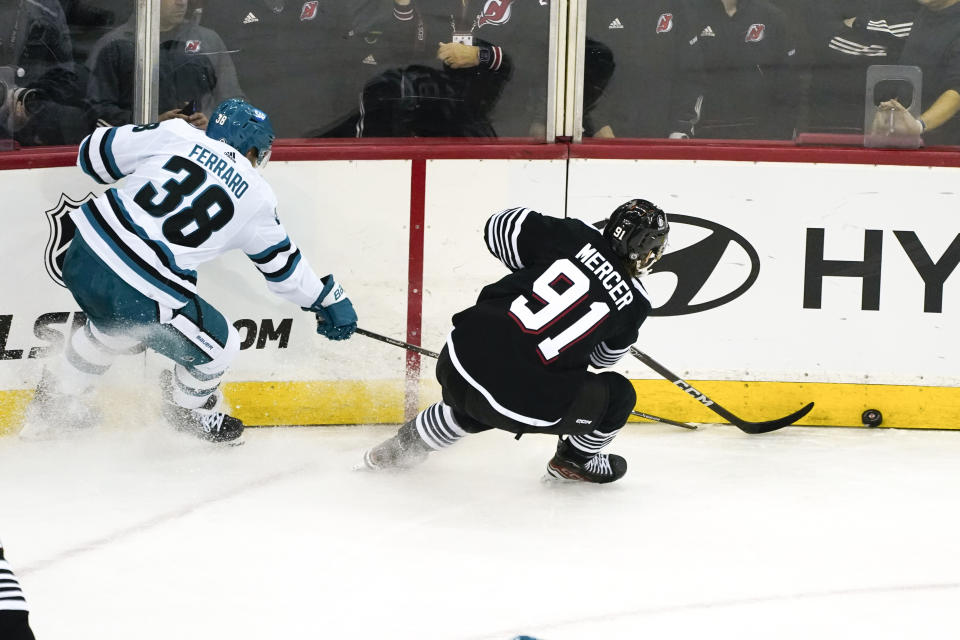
517	359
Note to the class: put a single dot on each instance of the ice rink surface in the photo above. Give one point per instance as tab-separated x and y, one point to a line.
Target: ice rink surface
140	534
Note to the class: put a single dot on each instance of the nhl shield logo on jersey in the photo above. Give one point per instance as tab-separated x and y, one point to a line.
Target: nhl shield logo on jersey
192	46
755	33
665	23
309	10
62	230
494	12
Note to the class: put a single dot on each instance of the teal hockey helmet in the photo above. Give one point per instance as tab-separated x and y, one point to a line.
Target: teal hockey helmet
243	127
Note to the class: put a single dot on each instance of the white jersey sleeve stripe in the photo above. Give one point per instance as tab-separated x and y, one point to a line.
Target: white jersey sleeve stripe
604	356
502	233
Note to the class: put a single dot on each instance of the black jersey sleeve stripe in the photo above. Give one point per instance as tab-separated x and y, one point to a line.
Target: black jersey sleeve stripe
106	154
85	164
271	253
286	270
166	258
131	257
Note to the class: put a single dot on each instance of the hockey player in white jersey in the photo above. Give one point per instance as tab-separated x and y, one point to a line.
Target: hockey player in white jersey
185	198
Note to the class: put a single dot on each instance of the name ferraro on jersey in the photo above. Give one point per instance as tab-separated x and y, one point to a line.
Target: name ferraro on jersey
616	286
234	182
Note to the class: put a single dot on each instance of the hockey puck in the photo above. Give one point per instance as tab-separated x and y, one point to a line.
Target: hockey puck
871	418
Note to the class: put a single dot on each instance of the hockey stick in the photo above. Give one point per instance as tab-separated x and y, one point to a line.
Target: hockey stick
398	343
434	354
686	387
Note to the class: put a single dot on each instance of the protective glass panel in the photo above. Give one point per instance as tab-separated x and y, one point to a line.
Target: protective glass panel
892	106
45	49
384	68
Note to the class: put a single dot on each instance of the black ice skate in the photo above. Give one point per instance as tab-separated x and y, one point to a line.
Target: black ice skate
601	468
52	414
204	423
402	451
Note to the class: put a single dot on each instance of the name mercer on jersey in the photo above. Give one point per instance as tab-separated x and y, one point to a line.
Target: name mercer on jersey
616	286
231	179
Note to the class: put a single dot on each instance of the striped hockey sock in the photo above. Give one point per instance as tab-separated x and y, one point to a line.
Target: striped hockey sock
437	427
587	445
89	354
191	387
11	596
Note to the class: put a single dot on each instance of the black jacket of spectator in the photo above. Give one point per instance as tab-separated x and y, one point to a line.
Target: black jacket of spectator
840	54
655	87
304	63
934	46
194	66
751	86
444	101
37	50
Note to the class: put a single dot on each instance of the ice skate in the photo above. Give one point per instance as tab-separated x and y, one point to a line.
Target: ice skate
403	451
204	423
601	468
53	414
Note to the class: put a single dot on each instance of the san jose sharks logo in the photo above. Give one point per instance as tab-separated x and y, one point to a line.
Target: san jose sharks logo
62	231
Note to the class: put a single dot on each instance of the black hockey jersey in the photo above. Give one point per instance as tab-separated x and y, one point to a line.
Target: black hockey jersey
568	303
655	89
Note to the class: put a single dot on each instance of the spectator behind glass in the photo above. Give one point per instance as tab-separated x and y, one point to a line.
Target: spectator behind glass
90	20
654	91
304	63
43	102
449	75
195	70
846	38
751	83
522	27
934	46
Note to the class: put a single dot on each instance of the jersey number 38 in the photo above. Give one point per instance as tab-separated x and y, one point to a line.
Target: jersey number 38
193	225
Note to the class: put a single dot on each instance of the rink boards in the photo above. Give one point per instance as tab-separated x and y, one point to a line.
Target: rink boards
785	282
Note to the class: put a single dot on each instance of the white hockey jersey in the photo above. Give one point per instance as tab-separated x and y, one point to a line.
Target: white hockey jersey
185	200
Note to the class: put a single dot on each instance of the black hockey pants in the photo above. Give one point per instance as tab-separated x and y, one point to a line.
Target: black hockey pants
603	403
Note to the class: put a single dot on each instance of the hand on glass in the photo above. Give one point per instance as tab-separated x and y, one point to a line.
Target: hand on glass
458	56
197	119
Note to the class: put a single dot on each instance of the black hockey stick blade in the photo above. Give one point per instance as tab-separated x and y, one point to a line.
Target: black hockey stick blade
647	416
398	343
744	425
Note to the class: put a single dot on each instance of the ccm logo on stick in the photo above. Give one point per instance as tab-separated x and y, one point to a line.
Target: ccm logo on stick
704	400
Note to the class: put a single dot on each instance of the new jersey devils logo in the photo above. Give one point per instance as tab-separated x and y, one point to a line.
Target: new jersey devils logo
494	12
192	46
755	33
665	23
62	231
309	10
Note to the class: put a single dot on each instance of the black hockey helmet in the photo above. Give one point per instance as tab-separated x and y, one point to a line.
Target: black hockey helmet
637	232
